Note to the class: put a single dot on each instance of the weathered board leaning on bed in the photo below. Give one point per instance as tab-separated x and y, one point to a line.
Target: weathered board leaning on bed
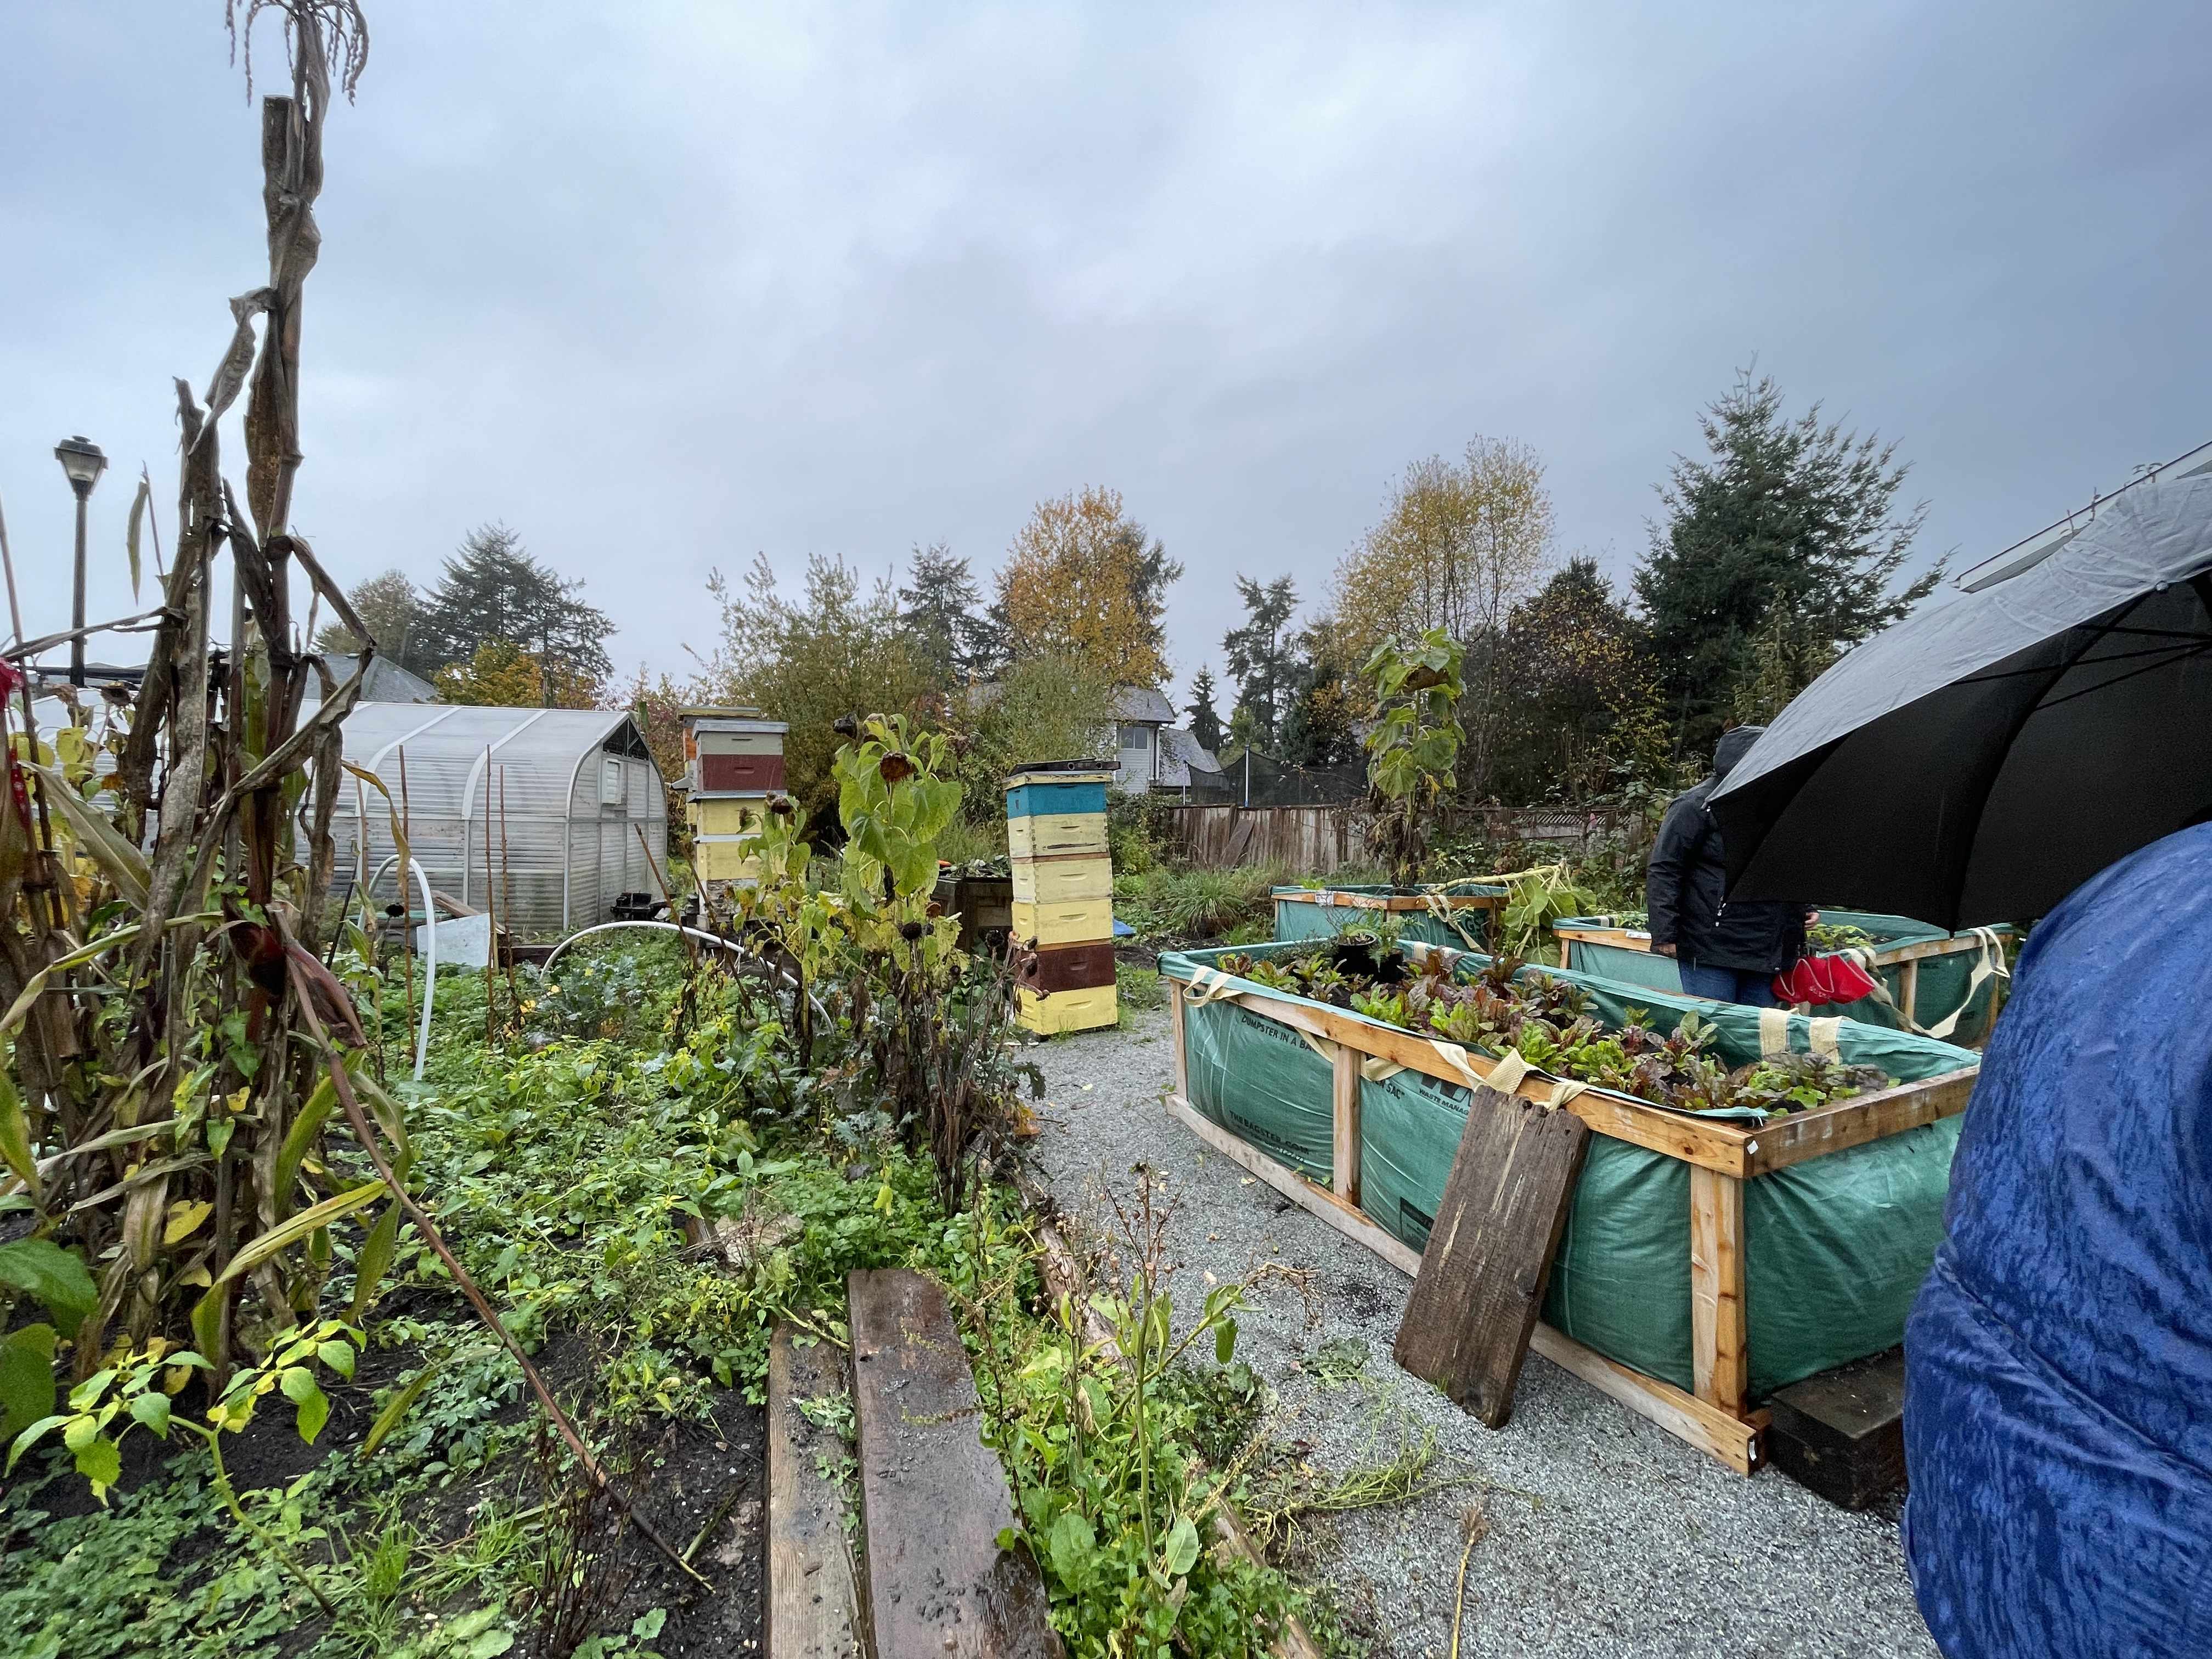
1846	1200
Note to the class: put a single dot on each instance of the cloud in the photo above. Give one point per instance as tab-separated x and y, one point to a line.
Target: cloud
664	285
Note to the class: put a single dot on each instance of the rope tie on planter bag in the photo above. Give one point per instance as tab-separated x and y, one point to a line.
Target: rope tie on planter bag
1432	901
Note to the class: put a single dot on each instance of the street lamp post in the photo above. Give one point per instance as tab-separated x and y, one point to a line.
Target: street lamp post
82	460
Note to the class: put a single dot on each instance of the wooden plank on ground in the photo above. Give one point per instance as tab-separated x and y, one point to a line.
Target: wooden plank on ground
813	1604
933	1496
1489	1256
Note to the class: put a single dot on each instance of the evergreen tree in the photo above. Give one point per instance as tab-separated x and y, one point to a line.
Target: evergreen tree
1204	721
1787	515
1579	695
938	608
1316	728
1259	654
492	589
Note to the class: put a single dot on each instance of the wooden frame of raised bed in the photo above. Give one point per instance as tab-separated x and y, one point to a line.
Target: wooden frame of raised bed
1906	958
1716	1416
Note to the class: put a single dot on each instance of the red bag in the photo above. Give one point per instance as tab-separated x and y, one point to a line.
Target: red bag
1823	979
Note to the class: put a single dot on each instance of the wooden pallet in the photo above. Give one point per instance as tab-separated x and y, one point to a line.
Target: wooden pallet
1716	1414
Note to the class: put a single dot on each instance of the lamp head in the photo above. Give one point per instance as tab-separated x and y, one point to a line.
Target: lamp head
83	461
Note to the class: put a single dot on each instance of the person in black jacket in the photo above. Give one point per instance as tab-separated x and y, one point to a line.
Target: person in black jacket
1727	950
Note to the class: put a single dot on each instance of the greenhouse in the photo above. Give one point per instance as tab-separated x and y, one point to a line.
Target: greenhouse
559	805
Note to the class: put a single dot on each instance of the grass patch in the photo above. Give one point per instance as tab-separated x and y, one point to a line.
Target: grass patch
1196	904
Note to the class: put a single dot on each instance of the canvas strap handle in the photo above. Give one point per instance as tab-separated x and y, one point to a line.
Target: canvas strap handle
1512	1070
1373	1067
1989	962
1820	1035
1210	985
1433	902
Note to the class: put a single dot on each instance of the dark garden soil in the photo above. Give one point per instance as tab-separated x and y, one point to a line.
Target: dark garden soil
709	1478
693	1482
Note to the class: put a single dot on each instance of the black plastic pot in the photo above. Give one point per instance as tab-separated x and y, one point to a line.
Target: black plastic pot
1365	954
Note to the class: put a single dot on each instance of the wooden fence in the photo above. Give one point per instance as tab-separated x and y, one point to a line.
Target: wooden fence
1314	840
1309	841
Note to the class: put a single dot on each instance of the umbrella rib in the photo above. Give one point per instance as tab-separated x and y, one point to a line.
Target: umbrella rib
2096	633
2199	641
2174	655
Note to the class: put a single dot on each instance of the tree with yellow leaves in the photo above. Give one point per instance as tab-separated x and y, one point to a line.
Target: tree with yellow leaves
1083	581
502	675
1460	544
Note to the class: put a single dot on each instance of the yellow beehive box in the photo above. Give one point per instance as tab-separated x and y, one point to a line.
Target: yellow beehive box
1051	881
721	858
1055	834
1080	921
1065	1010
1065	921
725	815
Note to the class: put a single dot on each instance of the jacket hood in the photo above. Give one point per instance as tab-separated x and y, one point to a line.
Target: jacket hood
1736	743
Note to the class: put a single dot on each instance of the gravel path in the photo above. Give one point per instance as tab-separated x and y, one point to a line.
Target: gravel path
1607	1536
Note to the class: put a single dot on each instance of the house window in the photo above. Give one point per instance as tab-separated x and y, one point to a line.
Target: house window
1137	739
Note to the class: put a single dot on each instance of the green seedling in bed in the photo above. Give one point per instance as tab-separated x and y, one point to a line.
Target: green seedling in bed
1839	936
137	1392
1554	1025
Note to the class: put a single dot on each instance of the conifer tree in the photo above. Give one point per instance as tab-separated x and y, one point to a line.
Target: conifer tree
1205	718
493	589
1789	516
1260	654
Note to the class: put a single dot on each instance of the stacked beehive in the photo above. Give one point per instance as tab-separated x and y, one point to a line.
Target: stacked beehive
1063	897
733	766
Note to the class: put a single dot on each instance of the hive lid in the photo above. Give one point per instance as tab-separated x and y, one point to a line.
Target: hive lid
1064	771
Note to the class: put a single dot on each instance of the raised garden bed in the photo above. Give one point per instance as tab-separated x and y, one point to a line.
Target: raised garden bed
1708	1261
1458	918
1948	984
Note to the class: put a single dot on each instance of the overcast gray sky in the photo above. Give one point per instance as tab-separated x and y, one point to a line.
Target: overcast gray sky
663	284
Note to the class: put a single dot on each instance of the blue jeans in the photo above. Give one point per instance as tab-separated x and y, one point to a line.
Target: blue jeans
1728	985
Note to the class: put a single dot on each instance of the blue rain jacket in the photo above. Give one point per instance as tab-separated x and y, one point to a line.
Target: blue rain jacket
2059	1361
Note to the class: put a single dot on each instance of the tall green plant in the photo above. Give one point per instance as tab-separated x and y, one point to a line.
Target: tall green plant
1414	746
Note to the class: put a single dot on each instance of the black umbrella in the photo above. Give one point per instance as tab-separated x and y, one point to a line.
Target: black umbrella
1976	763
